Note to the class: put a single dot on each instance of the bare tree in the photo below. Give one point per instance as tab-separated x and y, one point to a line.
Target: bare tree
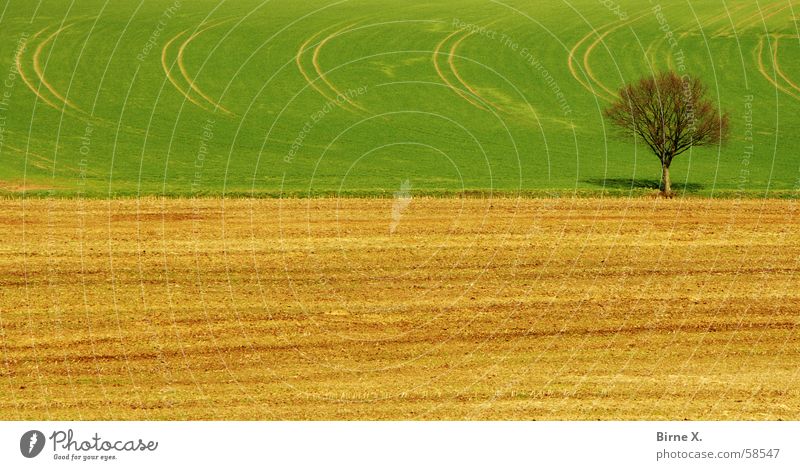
670	114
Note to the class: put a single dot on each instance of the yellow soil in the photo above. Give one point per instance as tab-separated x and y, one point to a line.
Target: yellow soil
471	309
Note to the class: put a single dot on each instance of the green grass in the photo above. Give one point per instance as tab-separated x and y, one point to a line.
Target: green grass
129	131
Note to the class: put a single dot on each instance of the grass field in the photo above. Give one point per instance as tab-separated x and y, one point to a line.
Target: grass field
323	309
209	97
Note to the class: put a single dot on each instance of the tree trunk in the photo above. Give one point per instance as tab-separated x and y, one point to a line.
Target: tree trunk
666	185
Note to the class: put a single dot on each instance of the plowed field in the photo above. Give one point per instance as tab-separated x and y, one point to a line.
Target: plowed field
399	309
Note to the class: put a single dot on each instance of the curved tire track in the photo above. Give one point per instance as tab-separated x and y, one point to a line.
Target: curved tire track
454	69
573	68
306	76
777	65
323	75
168	70
742	23
594	44
57	101
754	19
762	68
37	68
459	91
712	21
759	18
24	77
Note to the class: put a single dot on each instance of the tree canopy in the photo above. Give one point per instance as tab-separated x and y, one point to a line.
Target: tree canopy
670	114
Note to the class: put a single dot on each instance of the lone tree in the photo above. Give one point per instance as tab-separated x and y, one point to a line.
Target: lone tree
670	114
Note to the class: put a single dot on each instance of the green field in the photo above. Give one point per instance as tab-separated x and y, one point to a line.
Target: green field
239	97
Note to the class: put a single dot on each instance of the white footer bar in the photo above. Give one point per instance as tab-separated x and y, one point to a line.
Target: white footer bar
401	445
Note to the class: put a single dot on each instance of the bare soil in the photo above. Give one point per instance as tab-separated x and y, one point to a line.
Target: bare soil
469	309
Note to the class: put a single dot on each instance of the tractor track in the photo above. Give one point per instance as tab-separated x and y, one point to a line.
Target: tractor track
759	52
26	80
323	75
191	81
457	74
